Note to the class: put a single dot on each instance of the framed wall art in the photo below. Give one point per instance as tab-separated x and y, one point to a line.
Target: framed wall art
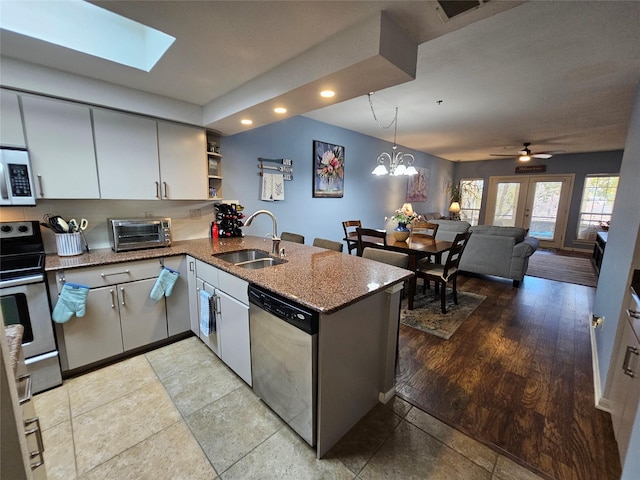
328	170
417	186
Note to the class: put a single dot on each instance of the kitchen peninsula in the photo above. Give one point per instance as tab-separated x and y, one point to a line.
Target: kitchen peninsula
357	299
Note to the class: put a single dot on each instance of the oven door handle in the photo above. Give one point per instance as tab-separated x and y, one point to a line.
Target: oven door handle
16	282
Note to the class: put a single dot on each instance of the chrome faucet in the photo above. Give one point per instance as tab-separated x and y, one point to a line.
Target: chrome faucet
275	240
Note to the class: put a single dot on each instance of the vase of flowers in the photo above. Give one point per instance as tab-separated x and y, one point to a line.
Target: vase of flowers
405	216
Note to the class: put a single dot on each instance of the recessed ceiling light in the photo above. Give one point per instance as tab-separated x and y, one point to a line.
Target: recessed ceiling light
280	110
246	121
89	29
327	93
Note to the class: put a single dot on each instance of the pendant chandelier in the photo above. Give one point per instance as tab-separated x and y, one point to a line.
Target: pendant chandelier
399	163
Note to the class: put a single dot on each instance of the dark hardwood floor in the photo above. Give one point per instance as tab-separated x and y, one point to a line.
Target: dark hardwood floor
517	376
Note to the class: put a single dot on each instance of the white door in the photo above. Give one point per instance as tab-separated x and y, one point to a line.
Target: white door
539	203
183	162
60	140
127	154
234	335
143	320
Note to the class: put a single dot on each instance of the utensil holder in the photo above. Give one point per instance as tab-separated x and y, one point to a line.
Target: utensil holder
68	244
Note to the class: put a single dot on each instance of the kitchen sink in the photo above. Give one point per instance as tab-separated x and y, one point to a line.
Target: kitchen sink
250	259
260	263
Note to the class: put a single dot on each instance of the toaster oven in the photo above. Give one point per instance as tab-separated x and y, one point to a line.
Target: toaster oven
139	233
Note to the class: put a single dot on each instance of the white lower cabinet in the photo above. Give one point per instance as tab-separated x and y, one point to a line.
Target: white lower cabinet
120	316
229	339
234	335
627	386
143	320
97	335
178	303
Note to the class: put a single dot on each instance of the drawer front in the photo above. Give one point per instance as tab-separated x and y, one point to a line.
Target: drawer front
111	274
207	273
233	286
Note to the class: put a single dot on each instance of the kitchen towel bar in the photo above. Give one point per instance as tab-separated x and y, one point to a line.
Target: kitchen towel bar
285	166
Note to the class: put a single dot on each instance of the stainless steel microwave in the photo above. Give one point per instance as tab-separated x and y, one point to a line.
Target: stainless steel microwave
138	233
16	180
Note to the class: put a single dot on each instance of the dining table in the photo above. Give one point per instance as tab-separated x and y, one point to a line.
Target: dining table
416	247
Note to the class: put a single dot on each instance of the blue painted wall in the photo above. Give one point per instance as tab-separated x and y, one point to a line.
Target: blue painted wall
366	197
581	164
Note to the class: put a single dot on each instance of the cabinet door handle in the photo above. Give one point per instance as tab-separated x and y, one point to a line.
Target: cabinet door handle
105	275
27	390
40	185
122	291
40	443
633	313
192	266
113	299
157	189
627	357
218	305
166	190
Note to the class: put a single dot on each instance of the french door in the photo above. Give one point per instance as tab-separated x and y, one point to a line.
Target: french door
537	202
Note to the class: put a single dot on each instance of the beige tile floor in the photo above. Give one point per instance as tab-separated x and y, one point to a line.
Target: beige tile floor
179	413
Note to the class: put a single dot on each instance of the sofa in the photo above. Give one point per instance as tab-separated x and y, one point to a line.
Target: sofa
492	250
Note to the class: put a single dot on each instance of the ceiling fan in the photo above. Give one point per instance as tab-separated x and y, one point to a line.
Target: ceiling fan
526	154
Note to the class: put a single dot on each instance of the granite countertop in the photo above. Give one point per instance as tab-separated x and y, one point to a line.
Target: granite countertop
14	340
323	280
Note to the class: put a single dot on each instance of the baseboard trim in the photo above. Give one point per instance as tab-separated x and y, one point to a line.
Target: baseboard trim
601	402
384	397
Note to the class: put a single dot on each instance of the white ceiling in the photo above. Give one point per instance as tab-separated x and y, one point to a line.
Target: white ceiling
561	75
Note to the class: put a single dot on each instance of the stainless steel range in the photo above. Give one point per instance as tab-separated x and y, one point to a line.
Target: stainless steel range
24	300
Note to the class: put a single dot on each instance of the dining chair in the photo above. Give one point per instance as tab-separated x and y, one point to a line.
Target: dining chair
442	274
328	244
370	233
350	234
292	237
389	257
424	229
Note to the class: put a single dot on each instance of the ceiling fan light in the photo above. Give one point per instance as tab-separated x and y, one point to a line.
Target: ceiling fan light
524	158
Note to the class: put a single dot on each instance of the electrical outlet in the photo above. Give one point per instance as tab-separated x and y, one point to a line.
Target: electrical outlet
148	214
596	321
195	213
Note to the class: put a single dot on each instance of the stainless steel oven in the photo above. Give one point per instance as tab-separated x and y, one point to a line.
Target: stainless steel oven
24	300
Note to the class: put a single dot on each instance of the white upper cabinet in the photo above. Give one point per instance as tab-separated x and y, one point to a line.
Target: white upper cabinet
127	153
60	142
183	163
11	133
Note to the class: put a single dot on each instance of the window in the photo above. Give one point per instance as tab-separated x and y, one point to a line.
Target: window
598	197
471	199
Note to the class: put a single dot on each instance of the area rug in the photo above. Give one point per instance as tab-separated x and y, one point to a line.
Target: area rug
567	269
427	316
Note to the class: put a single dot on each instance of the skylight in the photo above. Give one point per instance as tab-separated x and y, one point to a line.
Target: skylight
87	28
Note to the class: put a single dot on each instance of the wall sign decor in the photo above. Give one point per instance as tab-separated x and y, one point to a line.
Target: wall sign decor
531	169
328	170
417	186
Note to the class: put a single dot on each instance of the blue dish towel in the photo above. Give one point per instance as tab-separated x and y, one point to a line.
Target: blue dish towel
164	284
207	314
72	300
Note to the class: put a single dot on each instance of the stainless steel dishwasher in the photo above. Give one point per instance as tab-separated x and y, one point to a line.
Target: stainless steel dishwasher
284	342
